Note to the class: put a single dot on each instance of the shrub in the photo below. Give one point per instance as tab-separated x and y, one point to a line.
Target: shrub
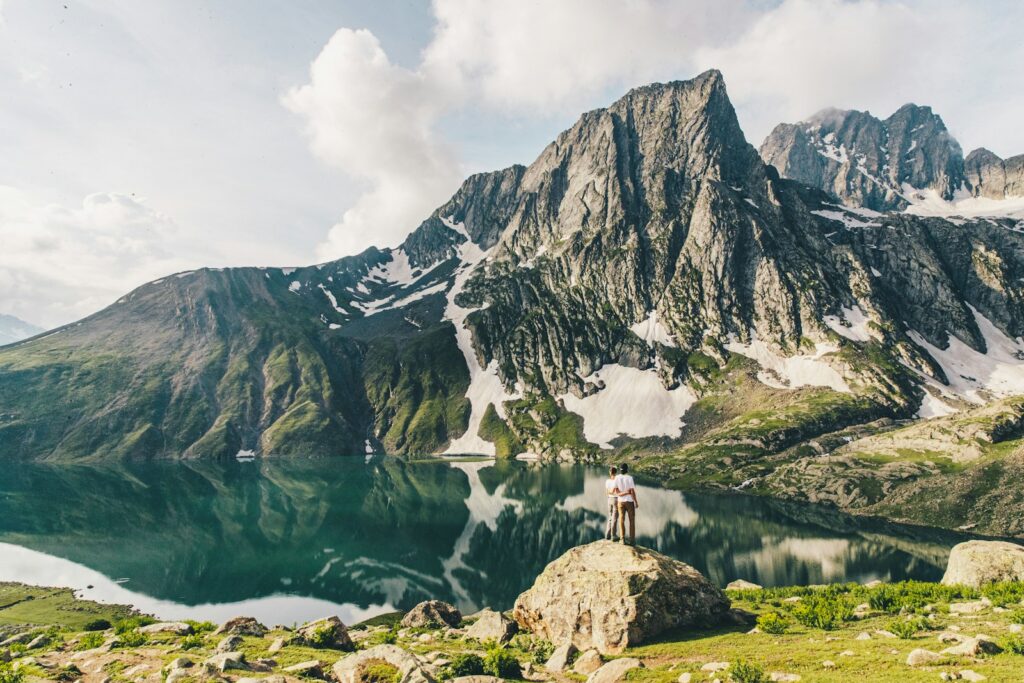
97	625
908	628
823	611
132	623
501	663
193	641
773	623
9	675
1017	616
131	639
379	671
464	664
745	672
1015	644
540	650
1004	593
202	626
68	673
90	641
389	637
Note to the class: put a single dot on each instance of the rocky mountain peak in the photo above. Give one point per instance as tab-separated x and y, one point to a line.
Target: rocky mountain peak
988	175
869	162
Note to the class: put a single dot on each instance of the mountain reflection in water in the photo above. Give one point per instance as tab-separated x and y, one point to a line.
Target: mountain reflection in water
294	539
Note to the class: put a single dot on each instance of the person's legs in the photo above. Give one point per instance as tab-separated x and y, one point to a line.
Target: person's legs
622	521
631	511
613	519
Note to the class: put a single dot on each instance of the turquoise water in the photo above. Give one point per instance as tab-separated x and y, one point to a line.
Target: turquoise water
289	540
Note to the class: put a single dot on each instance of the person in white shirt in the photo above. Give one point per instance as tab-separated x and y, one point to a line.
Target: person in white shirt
613	506
625	490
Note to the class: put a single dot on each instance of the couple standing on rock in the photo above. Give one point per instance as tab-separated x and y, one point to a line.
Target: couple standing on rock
622	504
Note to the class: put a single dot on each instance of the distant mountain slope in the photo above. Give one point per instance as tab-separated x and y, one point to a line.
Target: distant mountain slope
907	161
647	286
14	329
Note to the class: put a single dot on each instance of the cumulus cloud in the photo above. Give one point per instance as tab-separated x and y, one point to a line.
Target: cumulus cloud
376	121
59	263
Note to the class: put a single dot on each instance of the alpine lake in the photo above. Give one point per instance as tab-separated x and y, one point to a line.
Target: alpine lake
290	540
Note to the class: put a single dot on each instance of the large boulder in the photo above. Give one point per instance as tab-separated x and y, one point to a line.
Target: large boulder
976	563
432	614
608	596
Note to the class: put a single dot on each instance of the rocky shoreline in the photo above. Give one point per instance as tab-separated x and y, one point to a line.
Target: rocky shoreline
601	613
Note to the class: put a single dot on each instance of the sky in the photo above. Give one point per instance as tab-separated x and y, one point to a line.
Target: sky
143	138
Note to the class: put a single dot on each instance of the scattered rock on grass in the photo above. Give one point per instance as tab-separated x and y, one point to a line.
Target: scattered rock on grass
715	666
432	614
972	647
225	661
742	585
922	657
178	628
969	675
242	626
588	662
311	669
350	669
229	644
328	633
492	625
779	677
276	646
615	670
561	657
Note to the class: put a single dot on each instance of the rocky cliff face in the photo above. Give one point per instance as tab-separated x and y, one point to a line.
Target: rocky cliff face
989	176
618	289
869	162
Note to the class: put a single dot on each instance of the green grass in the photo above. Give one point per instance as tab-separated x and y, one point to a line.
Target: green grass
20	604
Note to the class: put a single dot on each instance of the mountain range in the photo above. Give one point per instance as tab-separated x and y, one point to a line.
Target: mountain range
835	318
14	329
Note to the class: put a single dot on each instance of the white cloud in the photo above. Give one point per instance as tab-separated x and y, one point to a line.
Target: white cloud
60	263
375	120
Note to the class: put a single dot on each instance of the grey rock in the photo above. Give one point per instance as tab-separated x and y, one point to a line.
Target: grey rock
330	633
349	669
229	644
310	669
987	175
432	614
615	670
179	628
560	658
276	646
922	657
588	662
491	625
242	626
225	661
39	641
742	585
975	563
608	596
179	663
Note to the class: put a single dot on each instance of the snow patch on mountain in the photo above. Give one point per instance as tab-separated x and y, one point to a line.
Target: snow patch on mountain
632	403
853	325
652	331
932	406
977	376
928	202
844	216
790	372
485	386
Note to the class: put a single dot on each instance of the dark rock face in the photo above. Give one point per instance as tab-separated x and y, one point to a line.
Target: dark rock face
865	161
989	176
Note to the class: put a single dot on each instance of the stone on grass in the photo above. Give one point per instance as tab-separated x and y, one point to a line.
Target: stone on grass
178	628
351	669
743	585
882	633
828	664
972	647
311	669
847	653
328	633
715	666
922	657
780	677
971	607
615	670
969	675
685	677
609	596
864	636
491	625
588	662
175	676
37	642
976	563
276	646
229	644
179	663
225	661
560	658
432	614
242	626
